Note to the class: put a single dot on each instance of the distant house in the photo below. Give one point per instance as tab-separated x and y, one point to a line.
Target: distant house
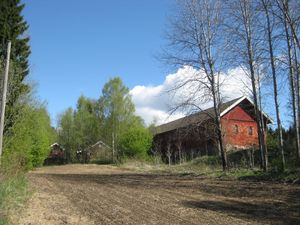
99	152
56	155
194	135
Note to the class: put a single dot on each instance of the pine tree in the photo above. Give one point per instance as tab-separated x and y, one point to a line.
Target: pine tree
13	27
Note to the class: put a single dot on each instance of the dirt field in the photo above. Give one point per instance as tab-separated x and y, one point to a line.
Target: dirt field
91	194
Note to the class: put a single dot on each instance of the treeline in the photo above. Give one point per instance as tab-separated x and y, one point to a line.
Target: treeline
259	36
27	132
110	118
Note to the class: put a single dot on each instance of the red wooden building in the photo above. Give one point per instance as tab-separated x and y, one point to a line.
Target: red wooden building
56	155
195	135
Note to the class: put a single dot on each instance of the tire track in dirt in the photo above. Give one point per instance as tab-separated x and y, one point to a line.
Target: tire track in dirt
186	215
107	195
139	207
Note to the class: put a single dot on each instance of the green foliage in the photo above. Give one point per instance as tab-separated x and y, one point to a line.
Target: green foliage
108	120
14	28
136	142
27	142
13	192
289	149
80	128
86	123
243	158
66	133
213	161
117	111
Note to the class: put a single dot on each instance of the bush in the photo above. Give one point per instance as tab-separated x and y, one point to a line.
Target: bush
243	158
213	161
27	142
136	142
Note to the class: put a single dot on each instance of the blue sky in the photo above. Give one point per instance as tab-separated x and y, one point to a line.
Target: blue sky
78	45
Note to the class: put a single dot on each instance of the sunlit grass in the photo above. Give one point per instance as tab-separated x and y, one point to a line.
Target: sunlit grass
13	192
209	166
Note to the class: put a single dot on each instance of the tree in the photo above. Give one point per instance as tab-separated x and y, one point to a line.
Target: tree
196	39
86	123
268	8
66	134
14	28
136	142
27	143
290	24
246	47
117	110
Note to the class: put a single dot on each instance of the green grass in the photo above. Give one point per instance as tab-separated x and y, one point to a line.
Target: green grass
288	176
13	192
102	162
210	166
198	166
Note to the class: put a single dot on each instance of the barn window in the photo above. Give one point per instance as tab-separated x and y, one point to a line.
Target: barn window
250	130
235	129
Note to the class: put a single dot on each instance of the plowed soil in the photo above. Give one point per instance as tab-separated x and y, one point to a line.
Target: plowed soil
94	194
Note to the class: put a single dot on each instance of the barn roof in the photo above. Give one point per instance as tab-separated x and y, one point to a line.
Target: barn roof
56	144
100	143
207	114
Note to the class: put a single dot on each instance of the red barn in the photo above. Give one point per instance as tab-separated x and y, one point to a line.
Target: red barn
56	155
195	134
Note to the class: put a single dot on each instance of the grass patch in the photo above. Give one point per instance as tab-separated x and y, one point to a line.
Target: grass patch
13	192
101	162
199	166
210	166
288	176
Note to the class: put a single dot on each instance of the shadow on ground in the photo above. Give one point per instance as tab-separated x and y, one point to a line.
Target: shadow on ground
267	202
274	213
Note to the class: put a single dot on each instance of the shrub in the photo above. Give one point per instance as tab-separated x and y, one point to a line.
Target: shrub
27	142
136	142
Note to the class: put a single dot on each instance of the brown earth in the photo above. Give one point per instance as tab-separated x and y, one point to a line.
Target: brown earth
93	194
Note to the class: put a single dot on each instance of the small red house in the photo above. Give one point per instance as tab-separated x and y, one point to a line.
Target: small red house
195	135
56	155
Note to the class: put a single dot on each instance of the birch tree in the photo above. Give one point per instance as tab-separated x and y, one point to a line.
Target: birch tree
290	24
268	8
246	45
196	39
118	113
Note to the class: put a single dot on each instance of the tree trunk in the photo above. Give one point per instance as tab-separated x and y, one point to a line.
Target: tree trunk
248	37
219	133
275	87
292	87
257	114
297	89
263	127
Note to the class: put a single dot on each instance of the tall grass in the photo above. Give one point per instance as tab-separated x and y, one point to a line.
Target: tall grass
13	191
201	165
209	166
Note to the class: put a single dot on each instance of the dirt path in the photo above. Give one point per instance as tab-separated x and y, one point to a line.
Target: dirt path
91	194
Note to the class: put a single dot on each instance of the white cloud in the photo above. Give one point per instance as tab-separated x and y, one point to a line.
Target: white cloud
154	102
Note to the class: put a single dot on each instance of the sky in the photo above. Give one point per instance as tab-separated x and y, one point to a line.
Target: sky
77	46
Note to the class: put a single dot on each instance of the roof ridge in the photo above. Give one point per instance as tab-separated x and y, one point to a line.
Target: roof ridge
201	111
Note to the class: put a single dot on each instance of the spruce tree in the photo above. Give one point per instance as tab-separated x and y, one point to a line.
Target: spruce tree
13	27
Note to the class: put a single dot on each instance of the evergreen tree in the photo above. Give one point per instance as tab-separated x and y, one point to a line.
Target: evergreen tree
13	27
